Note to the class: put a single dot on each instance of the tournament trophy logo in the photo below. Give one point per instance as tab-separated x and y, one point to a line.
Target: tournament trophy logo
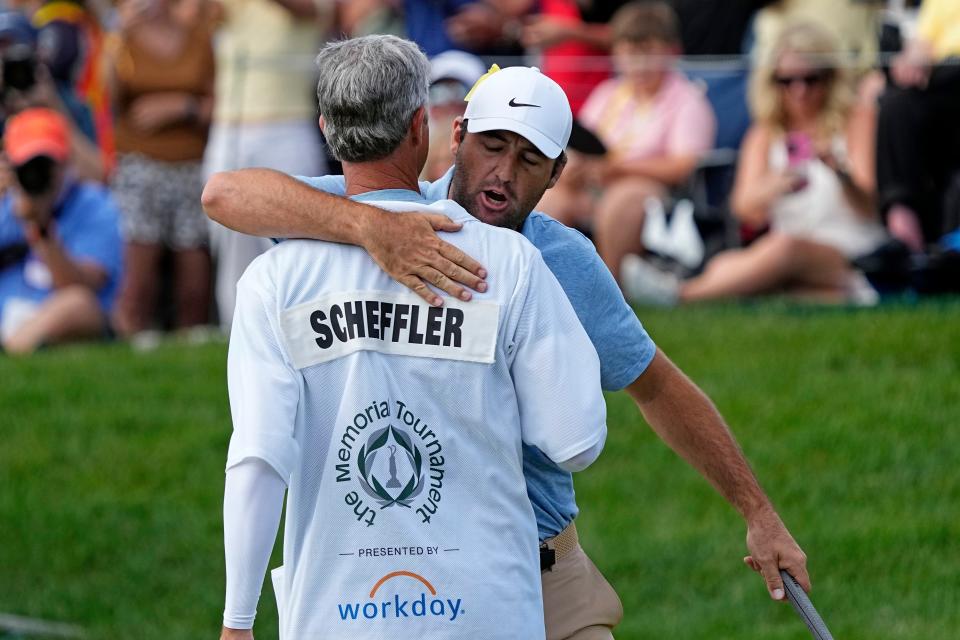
392	439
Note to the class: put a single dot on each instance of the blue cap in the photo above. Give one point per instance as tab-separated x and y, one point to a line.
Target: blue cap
15	28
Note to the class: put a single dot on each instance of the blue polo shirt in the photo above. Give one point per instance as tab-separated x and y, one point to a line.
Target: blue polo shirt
623	345
87	224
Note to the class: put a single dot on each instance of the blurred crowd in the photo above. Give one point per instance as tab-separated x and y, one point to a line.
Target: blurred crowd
721	149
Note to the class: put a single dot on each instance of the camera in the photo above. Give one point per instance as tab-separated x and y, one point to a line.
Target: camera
36	175
19	68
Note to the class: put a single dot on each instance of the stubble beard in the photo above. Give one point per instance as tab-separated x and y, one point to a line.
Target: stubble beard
510	219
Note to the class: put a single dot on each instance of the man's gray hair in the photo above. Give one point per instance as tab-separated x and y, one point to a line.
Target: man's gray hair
368	91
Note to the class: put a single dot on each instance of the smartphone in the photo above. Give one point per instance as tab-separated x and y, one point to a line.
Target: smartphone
799	148
799	153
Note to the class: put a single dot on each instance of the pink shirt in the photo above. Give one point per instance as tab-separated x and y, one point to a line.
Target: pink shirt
678	121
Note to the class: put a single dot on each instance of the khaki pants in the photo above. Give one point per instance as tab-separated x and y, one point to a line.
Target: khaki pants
578	602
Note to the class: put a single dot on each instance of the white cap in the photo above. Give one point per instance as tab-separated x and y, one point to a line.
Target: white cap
524	101
456	65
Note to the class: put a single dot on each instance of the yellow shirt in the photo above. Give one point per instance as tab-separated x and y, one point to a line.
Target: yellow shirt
854	24
265	69
939	24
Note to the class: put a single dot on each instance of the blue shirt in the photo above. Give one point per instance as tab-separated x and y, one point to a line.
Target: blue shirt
425	23
623	345
390	195
87	224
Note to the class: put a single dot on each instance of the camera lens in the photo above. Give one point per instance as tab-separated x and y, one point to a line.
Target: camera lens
19	68
35	175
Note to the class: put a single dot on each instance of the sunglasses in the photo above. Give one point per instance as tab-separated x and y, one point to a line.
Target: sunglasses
807	79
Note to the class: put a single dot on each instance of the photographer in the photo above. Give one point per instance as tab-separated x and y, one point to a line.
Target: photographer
60	247
38	70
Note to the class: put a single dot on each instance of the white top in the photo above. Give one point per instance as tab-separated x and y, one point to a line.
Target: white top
398	428
820	211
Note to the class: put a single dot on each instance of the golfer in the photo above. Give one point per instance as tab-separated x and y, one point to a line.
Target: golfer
499	175
396	427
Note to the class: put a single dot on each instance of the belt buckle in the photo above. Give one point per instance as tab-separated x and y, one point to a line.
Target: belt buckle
548	557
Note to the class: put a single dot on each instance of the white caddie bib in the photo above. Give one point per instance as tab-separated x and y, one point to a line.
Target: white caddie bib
399	428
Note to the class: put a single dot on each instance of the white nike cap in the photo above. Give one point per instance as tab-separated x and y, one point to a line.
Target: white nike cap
524	101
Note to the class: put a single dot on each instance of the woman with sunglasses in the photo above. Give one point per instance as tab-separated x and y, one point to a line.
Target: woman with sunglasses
806	172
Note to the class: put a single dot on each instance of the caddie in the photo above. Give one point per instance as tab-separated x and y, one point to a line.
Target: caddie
500	172
396	427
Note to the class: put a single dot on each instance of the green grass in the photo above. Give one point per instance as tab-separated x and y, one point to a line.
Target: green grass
111	470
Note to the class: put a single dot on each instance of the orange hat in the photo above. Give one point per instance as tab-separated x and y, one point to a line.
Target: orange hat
36	132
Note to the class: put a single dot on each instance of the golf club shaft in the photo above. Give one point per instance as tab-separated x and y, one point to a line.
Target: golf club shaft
804	607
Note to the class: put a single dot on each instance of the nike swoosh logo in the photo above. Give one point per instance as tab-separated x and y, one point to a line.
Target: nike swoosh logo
513	103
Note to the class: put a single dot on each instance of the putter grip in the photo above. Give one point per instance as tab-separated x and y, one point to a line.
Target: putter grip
804	607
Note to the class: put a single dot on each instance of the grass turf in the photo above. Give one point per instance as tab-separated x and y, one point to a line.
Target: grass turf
111	469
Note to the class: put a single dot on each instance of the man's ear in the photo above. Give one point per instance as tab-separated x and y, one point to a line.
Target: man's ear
322	123
456	135
418	126
558	166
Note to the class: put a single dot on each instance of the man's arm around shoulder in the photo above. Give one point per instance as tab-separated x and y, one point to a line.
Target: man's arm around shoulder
270	204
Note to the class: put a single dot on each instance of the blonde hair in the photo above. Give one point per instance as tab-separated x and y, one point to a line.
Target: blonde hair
822	50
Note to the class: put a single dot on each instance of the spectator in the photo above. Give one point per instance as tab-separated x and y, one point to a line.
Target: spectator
264	111
573	39
41	67
365	17
452	74
18	52
59	241
489	28
69	45
427	23
919	132
854	24
84	70
806	170
163	70
654	123
718	28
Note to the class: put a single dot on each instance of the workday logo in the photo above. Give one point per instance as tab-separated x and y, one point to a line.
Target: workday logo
427	605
